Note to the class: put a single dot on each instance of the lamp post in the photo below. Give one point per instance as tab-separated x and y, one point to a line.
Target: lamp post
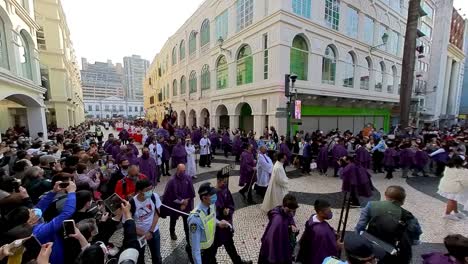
289	78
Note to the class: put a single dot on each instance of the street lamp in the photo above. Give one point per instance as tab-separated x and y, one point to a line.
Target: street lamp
384	42
289	78
220	45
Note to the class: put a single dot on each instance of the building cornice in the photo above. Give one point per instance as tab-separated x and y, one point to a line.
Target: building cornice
21	82
455	51
22	13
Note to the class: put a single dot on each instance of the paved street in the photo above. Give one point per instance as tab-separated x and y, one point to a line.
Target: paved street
250	221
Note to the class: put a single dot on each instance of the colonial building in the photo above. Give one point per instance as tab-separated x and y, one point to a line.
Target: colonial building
59	67
21	94
114	107
226	66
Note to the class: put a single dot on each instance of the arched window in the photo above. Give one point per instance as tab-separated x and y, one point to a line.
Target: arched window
349	66
174	56
174	88
192	42
182	50
205	33
205	77
391	80
366	74
193	82
379	77
25	57
3	46
183	85
221	73
329	66
244	65
299	58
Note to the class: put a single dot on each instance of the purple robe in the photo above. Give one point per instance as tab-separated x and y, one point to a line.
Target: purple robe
115	151
179	155
132	159
224	201
283	148
389	157
108	146
276	247
179	187
226	140
406	157
148	168
236	145
338	151
247	164
196	137
179	133
123	135
166	155
363	157
214	138
421	158
356	179
317	243
134	149
161	132
322	158
439	258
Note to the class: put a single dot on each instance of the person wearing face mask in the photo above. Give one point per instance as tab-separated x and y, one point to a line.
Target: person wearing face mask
205	152
203	223
319	239
125	188
148	165
191	165
276	246
145	207
278	186
119	174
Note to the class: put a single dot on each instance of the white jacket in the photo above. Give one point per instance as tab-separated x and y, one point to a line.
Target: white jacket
454	181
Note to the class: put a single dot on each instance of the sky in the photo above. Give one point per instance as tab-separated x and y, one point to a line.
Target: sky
113	29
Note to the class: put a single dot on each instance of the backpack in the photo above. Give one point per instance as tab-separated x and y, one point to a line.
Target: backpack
133	205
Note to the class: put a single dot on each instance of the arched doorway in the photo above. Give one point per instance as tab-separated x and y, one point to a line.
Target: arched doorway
246	121
192	120
182	119
205	118
223	116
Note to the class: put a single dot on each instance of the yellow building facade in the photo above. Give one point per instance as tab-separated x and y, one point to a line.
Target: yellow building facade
58	65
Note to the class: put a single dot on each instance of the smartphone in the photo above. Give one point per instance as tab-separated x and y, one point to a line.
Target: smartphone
113	203
64	185
32	247
69	227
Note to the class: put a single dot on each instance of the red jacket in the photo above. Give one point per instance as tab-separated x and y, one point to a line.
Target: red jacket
129	188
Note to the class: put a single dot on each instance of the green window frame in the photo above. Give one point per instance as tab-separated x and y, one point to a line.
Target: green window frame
174	88
244	66
245	13
365	78
25	56
301	7
193	82
349	69
299	54
329	66
182	50
183	85
205	33
222	73
192	43
205	77
332	13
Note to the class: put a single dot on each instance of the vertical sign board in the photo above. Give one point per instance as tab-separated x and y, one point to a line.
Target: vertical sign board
298	109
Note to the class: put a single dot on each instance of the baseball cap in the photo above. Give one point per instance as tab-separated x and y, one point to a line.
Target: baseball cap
359	247
206	189
129	256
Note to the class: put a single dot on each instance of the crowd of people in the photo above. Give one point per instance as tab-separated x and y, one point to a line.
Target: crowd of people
64	195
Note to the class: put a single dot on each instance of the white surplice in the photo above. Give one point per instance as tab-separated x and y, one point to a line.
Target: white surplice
190	167
277	188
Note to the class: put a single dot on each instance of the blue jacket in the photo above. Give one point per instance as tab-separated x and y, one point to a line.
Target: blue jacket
51	231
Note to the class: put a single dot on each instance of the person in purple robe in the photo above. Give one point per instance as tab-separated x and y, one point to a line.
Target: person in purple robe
124	136
162	133
165	157
406	159
237	147
319	239
338	151
247	169
322	158
284	148
179	155
224	211
420	160
148	166
457	247
356	180
196	136
388	161
131	145
179	194
254	144
108	144
276	246
115	149
363	157
214	139
226	143
128	154
180	133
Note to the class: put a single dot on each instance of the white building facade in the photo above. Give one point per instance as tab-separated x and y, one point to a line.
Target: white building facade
114	107
21	94
344	80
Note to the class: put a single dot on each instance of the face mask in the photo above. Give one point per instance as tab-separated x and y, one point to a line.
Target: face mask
145	155
148	194
37	212
213	199
329	215
125	167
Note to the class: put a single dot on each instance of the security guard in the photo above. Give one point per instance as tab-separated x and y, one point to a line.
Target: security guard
202	224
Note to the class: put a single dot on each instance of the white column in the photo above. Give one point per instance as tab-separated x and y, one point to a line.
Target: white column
448	75
36	121
233	122
452	98
259	124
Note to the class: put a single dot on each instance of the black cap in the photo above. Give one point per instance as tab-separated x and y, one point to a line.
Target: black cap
360	247
206	189
222	175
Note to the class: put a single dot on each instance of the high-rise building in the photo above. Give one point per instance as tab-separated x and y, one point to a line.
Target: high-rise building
135	69
59	67
102	79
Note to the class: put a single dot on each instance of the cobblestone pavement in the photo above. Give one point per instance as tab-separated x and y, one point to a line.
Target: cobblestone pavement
250	221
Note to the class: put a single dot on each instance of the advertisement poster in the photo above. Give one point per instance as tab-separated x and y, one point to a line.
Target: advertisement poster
298	109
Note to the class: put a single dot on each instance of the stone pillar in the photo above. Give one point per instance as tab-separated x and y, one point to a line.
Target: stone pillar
61	116
259	124
446	88
452	98
36	121
233	122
